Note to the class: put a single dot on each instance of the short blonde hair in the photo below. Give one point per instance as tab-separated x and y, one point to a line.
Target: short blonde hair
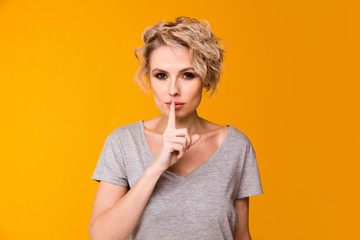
205	49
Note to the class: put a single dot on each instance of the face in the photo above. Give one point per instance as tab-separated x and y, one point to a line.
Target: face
172	77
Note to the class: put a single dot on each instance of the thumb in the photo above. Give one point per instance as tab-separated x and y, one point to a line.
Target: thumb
194	139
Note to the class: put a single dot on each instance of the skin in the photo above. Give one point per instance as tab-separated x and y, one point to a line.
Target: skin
177	135
172	77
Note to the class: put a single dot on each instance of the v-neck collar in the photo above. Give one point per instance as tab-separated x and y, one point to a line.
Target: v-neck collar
217	152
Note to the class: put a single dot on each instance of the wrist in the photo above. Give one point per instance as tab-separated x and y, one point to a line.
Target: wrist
154	170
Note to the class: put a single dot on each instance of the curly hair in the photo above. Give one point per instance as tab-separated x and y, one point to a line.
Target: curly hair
206	50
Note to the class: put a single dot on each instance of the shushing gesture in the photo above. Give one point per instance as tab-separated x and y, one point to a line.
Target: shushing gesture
174	143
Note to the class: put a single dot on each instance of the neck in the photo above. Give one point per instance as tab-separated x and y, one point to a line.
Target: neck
192	122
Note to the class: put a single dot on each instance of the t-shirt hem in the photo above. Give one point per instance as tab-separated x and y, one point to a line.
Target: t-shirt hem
111	180
248	194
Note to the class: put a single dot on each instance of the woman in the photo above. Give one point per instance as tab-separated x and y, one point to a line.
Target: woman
177	176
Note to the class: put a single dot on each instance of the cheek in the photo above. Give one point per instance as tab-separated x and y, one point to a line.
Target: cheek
196	91
195	96
158	93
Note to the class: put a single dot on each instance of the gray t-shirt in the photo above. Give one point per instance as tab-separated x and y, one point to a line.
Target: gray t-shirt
199	205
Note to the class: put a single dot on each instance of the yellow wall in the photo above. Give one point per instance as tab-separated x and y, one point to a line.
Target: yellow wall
290	84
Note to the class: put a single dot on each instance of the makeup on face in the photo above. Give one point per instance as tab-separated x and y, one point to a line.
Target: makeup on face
173	78
177	104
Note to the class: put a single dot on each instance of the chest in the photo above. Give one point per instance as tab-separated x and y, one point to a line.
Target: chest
199	204
193	157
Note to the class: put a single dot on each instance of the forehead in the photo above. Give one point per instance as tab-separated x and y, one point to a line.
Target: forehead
166	57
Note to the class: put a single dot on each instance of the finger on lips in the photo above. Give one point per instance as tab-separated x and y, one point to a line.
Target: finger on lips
171	125
171	120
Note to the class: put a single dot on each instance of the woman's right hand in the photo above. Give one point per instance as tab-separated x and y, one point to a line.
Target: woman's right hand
174	143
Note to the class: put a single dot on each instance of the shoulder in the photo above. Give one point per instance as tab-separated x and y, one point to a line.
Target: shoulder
240	135
239	138
130	129
232	131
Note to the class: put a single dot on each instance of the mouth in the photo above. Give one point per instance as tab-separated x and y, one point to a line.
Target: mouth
177	104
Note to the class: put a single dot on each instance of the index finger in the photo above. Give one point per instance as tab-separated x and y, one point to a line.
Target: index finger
171	120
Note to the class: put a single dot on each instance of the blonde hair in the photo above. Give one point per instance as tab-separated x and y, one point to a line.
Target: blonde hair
206	50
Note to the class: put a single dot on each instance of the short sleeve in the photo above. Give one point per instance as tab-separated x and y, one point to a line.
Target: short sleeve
250	183
110	166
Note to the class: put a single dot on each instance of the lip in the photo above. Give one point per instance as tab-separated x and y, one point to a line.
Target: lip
177	104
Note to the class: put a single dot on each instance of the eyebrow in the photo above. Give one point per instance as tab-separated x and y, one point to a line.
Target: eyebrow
182	70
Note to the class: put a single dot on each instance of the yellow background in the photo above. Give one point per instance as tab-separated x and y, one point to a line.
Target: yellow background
290	83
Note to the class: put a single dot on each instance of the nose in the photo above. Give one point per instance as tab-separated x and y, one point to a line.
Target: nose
174	88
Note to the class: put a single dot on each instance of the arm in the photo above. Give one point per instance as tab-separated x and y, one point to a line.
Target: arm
242	208
116	210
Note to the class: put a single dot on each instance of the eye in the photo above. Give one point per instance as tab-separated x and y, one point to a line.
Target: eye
160	76
189	75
